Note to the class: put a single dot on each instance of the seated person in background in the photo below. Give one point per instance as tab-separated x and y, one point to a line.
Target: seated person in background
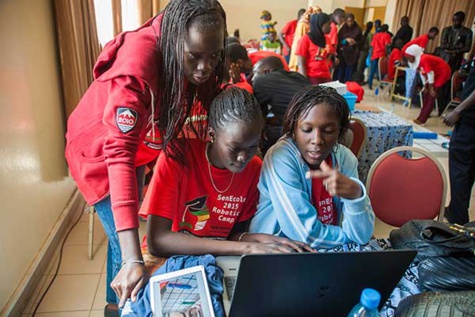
314	51
274	88
394	61
423	40
212	191
271	43
309	182
239	66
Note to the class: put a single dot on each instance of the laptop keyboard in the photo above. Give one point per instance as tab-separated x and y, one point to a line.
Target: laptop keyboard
229	283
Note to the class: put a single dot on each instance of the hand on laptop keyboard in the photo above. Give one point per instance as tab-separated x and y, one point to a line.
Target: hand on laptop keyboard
280	242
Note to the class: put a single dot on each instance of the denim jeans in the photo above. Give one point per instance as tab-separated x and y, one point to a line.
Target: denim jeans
114	256
373	71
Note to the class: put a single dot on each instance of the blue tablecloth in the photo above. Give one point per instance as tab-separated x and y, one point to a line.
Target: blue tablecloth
385	131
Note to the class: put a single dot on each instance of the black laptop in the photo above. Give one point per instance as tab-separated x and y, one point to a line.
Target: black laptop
309	284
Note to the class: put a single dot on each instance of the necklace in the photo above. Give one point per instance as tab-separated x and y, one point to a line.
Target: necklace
211	175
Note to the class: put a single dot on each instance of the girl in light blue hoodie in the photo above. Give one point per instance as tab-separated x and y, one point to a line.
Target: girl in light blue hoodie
309	187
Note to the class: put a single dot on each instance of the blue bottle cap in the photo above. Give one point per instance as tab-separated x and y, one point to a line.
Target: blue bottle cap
370	298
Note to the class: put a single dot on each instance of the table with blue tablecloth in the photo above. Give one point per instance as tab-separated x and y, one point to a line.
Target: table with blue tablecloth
384	132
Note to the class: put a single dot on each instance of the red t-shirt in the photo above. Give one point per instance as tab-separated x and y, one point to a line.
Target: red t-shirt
289	31
436	64
316	57
394	58
379	43
323	201
421	41
333	34
188	198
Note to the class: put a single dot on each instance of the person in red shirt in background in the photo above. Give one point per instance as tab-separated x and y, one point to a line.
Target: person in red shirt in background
314	52
379	43
286	35
205	206
142	78
435	73
423	40
394	61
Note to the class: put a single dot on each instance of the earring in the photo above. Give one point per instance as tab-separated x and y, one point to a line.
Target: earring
212	139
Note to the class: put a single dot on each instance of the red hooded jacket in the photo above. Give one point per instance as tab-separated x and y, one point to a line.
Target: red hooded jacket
113	118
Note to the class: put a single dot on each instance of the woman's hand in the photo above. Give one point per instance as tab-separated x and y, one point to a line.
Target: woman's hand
260	248
336	183
235	73
432	91
296	246
130	279
350	41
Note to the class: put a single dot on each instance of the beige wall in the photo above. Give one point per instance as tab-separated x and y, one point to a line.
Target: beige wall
34	187
244	14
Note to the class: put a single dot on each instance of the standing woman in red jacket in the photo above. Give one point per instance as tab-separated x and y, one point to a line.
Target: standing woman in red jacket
146	82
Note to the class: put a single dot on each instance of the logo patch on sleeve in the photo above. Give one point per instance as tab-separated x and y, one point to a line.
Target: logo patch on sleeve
126	119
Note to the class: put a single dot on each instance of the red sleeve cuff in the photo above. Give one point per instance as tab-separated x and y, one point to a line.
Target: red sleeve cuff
125	217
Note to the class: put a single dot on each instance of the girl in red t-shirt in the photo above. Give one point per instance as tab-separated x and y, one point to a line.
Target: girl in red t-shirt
215	195
314	50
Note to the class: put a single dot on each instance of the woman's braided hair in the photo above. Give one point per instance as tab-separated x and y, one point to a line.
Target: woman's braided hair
234	105
175	98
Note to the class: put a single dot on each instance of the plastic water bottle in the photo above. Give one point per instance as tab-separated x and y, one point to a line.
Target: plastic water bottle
368	305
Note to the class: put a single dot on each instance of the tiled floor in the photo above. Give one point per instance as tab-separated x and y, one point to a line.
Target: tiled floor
79	288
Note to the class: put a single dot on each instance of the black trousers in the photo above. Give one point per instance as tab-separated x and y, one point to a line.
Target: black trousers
461	171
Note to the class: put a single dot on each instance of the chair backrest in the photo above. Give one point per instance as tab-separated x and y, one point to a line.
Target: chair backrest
455	83
402	189
383	67
359	136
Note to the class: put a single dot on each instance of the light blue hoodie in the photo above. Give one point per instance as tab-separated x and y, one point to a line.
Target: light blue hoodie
285	207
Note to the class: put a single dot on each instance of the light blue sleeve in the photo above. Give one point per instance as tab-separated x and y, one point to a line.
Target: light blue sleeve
285	200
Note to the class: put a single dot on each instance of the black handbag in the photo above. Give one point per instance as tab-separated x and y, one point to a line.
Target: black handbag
448	304
447	274
432	238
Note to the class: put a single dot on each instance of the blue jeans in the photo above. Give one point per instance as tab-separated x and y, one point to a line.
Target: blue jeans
114	256
373	71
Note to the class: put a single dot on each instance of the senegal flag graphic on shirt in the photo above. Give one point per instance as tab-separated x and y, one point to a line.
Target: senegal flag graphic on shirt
199	214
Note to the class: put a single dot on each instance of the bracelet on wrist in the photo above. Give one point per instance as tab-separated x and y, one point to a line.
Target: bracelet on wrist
242	235
133	261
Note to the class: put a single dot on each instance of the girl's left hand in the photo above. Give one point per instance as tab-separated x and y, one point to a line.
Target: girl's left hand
336	183
297	246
